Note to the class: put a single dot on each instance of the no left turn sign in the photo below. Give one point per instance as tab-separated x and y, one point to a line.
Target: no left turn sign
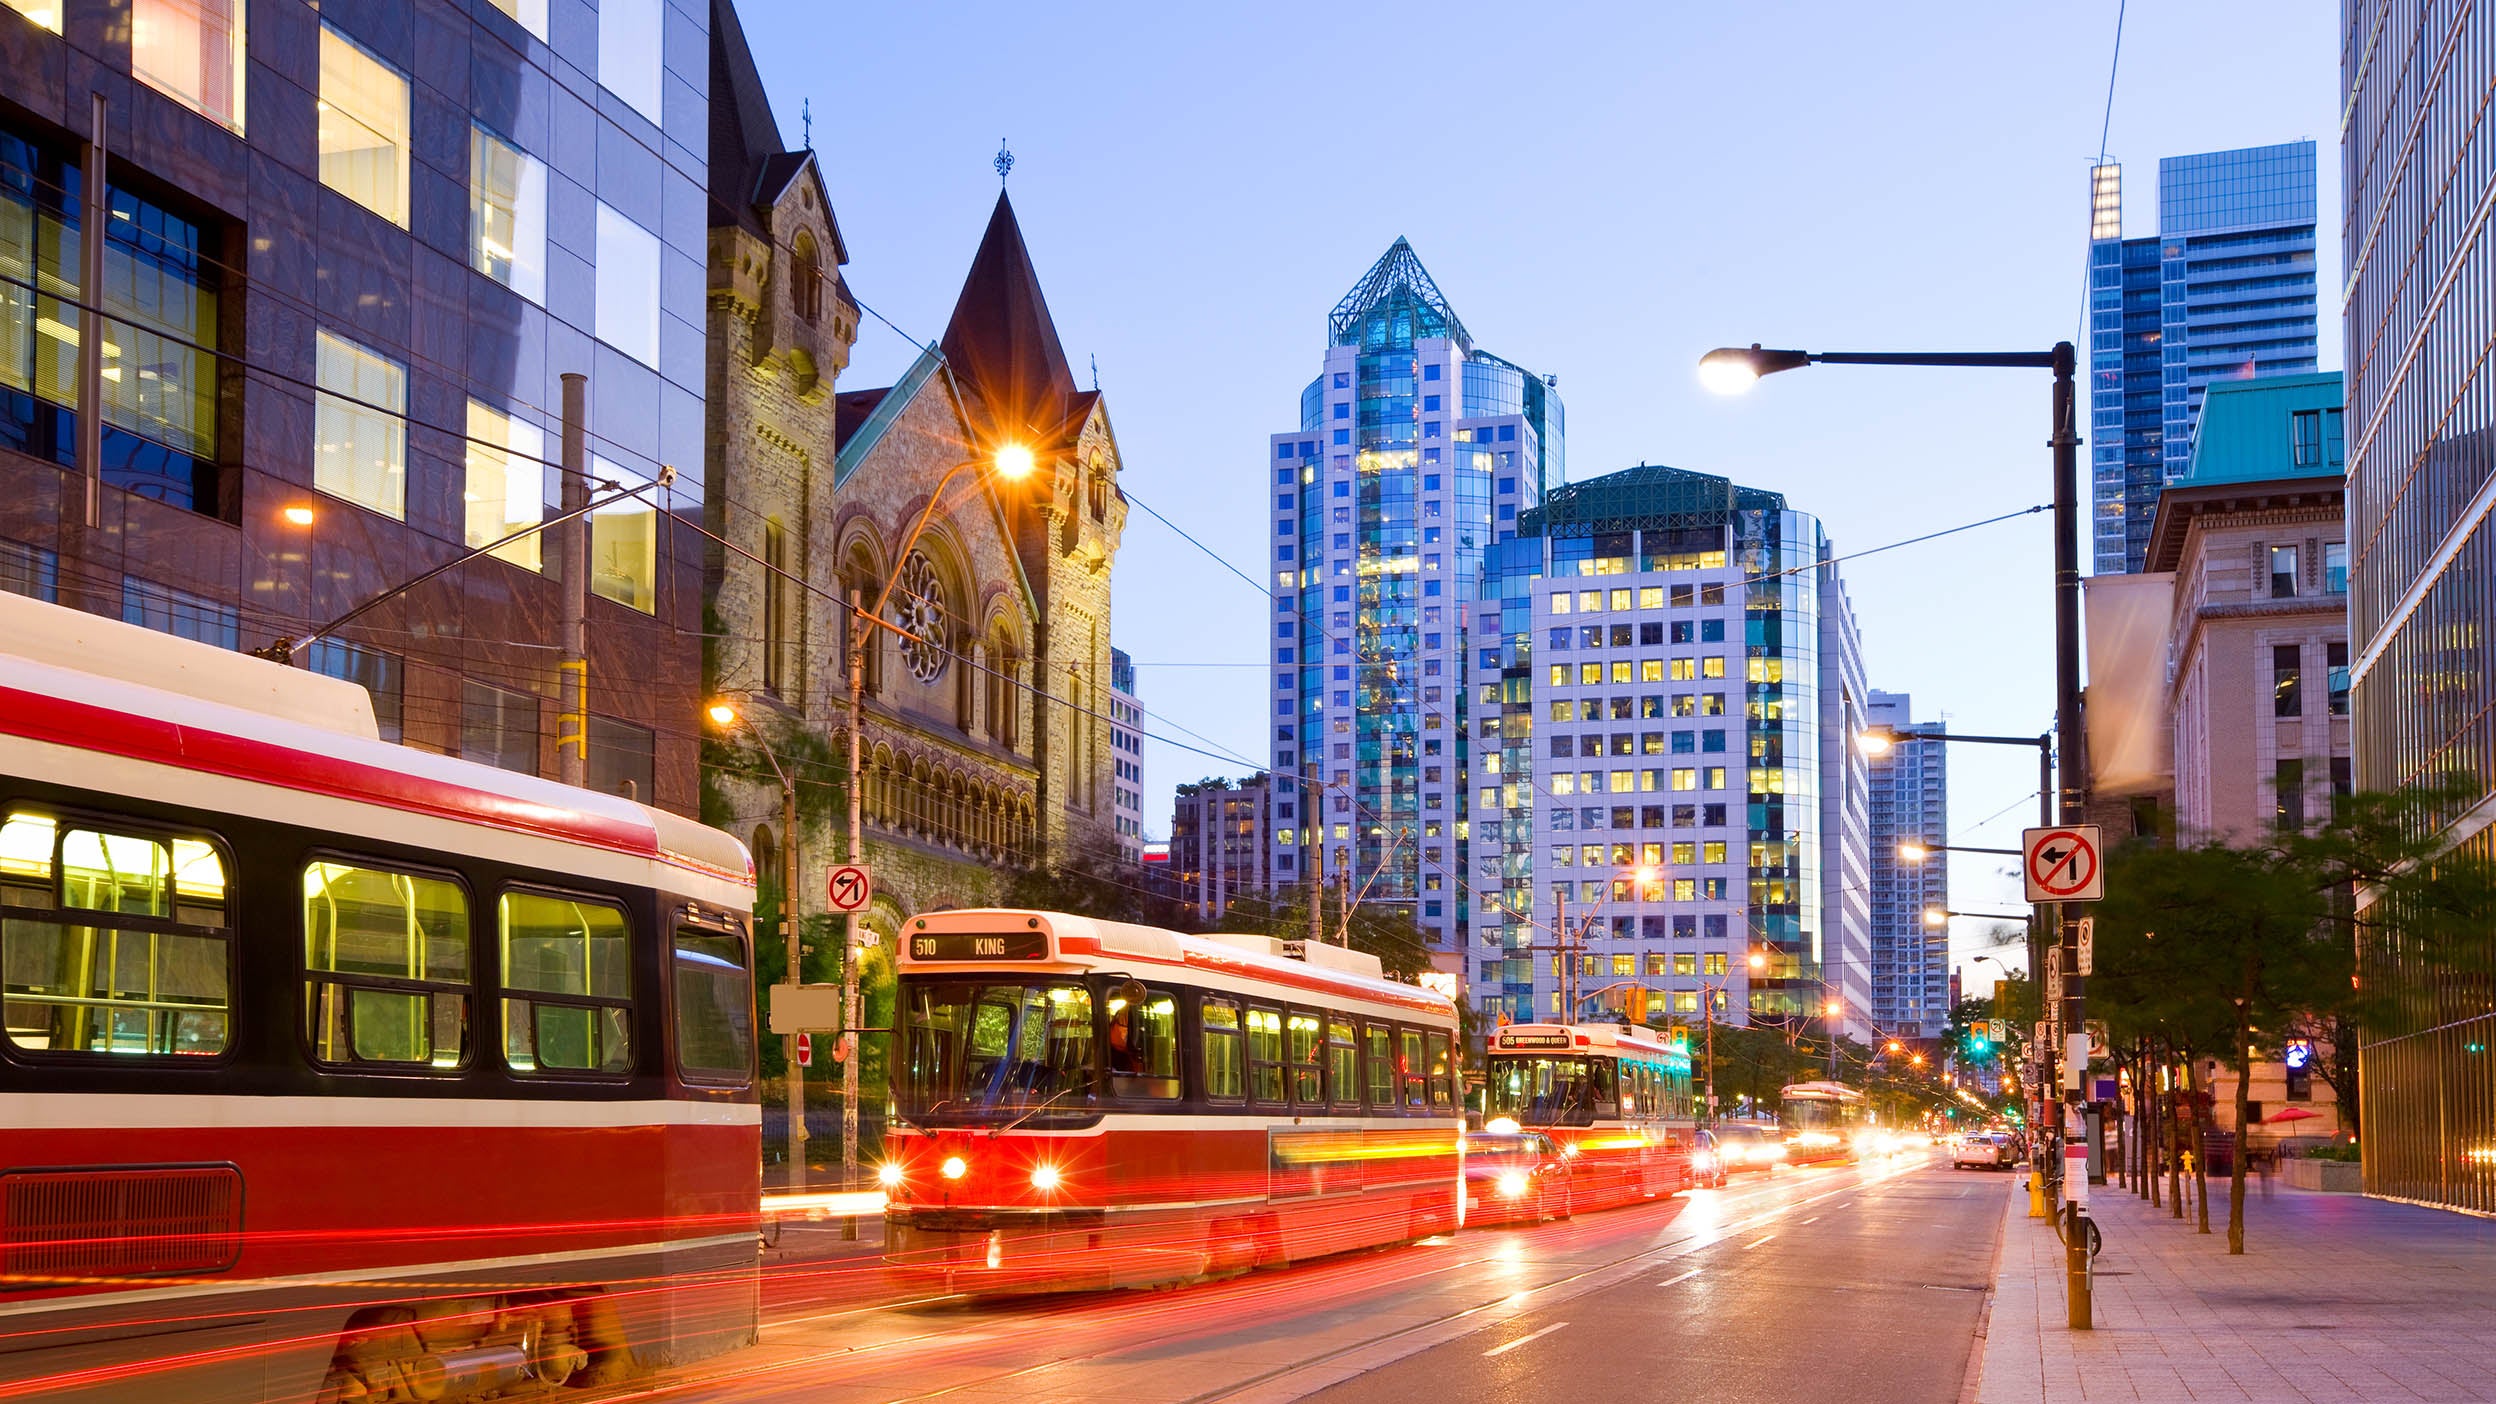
2062	864
850	888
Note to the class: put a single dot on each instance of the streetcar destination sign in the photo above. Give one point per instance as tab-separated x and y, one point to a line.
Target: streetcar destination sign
1533	1040
975	945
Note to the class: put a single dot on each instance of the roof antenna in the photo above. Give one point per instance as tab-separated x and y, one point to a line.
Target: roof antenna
1004	163
806	121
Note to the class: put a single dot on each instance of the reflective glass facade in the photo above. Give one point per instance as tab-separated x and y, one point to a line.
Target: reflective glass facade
2420	324
2224	291
1910	803
1652	676
1415	452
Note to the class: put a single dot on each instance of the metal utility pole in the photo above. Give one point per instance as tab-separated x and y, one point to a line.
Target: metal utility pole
93	214
2074	783
572	666
861	626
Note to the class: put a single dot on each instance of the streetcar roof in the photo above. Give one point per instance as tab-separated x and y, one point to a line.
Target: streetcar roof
1836	1091
1091	941
94	684
1611	1036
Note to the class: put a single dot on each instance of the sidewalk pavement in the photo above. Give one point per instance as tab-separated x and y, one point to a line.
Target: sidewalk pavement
2337	1298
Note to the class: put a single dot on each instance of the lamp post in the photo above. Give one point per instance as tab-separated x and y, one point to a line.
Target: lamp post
1732	369
1011	462
724	715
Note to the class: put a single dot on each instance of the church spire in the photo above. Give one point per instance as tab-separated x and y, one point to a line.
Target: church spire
1003	345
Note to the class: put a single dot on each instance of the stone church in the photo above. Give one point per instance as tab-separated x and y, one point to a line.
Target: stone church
987	685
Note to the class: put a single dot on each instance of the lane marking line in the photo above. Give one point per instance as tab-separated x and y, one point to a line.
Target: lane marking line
1670	1281
1521	1340
1812	1220
1759	1240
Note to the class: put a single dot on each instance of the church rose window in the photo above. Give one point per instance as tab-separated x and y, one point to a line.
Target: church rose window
919	608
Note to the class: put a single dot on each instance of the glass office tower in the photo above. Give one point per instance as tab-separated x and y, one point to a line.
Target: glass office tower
1910	805
2422	454
1652	789
1414	452
2223	291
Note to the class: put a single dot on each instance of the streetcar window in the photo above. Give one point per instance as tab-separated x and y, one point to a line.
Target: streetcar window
1633	1091
1381	1050
1225	1072
1343	1064
567	985
1307	1080
1143	1043
1442	1073
151	980
1415	1064
385	957
1602	1073
995	1053
1540	1091
1265	1053
714	1008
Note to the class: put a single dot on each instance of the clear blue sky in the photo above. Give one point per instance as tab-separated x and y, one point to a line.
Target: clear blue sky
1603	192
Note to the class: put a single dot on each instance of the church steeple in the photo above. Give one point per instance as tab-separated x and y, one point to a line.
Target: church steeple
1003	347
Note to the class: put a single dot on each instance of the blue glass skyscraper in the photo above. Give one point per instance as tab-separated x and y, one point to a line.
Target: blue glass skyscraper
2223	291
1414	452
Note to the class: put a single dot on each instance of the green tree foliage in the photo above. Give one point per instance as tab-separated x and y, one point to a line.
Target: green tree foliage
2222	951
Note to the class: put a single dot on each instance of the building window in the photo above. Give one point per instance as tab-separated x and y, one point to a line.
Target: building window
160	294
189	50
506	486
806	288
363	127
2336	661
2306	438
2286	679
2283	572
530	13
2340	779
624	546
628	287
46	14
2336	568
498	727
359	427
623	758
179	613
629	48
775	605
2288	786
507	214
376	672
30	571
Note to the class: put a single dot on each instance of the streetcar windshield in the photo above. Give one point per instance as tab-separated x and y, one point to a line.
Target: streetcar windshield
1541	1091
1817	1114
985	1053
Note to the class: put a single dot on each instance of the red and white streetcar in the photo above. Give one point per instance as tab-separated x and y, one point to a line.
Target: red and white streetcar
1615	1100
1092	1104
332	1068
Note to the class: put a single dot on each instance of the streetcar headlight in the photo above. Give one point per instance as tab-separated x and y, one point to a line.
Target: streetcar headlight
1512	1183
954	1167
1044	1178
888	1174
1702	1162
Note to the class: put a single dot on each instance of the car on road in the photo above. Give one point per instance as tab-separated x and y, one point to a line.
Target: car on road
1748	1145
1514	1177
1990	1150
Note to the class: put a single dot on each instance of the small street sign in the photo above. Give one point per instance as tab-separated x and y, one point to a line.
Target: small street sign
805	1050
2084	944
1997	1029
2062	864
850	888
2054	978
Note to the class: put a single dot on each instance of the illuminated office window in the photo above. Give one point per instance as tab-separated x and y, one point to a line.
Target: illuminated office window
189	50
506	487
507	214
628	287
363	127
359	427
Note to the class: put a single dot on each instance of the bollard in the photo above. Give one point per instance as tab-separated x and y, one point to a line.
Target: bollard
2076	1266
2036	1195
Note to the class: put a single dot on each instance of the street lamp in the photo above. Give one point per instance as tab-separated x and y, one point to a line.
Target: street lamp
1732	369
724	715
1916	850
1010	462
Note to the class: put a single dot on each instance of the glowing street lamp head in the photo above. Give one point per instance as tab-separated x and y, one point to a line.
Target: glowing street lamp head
722	714
1913	851
1014	462
299	515
1731	370
1936	917
1835	1009
1876	741
1759	960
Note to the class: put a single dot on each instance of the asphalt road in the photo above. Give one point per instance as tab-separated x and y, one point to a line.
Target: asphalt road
1858	1282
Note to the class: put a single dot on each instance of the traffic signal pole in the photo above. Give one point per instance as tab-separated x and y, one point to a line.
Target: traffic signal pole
2076	1229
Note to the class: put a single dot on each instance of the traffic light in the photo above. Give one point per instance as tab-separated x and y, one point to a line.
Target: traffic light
1977	1045
1636	1003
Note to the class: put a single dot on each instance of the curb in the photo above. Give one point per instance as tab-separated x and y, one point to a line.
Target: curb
1971	1381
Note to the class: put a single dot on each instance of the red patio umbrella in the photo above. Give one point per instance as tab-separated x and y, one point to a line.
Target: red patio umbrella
2291	1114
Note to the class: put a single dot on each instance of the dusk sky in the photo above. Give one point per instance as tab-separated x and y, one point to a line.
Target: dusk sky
1603	193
